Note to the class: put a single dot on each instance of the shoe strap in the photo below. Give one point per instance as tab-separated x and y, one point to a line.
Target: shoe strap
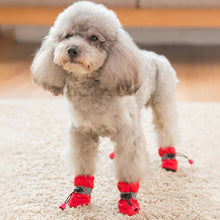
168	156
127	196
80	190
83	190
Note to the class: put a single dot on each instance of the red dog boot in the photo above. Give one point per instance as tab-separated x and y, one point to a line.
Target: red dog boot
168	157
82	193
128	203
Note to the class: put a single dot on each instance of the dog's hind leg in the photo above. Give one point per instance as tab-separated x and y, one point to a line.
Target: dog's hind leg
165	113
84	143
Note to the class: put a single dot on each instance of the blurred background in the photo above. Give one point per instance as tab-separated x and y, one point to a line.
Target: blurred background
186	32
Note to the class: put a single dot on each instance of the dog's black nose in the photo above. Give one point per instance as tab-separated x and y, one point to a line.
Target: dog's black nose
73	52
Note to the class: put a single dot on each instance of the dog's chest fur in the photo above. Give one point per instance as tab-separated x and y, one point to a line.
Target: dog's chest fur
92	105
86	93
96	107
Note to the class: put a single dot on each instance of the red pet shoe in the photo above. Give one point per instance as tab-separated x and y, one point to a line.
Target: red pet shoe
128	203
82	193
168	157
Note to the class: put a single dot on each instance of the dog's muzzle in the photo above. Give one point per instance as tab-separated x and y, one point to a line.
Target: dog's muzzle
73	52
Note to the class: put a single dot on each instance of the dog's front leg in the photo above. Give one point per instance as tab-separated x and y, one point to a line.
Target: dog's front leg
131	162
84	143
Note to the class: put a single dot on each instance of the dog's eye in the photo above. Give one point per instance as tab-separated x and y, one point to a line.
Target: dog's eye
68	36
93	38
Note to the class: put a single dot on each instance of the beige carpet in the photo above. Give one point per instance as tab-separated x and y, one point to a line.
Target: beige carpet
34	180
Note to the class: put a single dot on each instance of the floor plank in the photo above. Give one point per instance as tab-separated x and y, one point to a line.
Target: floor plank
166	17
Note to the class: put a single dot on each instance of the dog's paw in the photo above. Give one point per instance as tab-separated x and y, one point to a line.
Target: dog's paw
168	157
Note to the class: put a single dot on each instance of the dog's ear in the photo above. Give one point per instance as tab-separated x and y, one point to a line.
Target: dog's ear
120	73
45	72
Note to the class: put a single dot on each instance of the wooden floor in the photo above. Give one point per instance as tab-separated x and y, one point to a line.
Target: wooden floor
198	69
138	17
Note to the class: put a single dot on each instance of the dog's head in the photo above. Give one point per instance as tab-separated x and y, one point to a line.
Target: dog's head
83	35
86	38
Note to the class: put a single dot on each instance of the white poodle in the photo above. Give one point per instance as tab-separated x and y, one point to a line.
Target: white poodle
107	81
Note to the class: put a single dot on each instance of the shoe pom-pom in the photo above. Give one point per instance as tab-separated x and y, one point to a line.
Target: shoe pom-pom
191	161
63	206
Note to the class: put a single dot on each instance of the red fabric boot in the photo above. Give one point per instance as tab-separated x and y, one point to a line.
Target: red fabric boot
84	186
82	193
128	203
168	157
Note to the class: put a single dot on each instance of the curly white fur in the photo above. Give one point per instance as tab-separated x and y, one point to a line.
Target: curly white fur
108	81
